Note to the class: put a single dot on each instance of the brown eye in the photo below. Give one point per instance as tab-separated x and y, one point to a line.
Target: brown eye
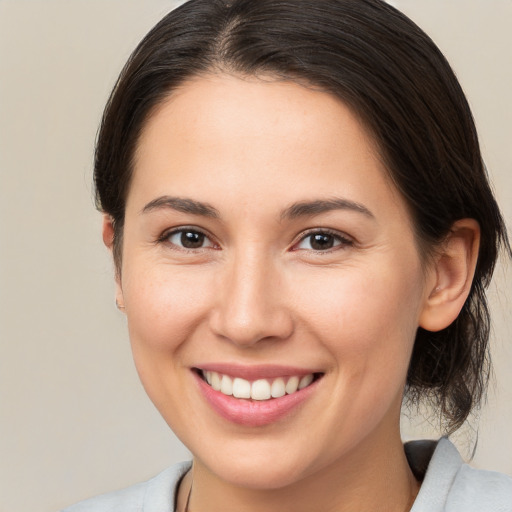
189	239
322	241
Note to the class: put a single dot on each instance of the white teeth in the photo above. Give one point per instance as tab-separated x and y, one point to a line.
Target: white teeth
215	381
306	381
261	389
278	388
226	385
241	388
292	385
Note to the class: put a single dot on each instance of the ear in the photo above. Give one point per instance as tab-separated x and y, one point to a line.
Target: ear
451	275
108	231
108	240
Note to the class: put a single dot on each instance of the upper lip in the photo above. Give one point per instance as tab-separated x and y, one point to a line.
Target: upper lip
255	372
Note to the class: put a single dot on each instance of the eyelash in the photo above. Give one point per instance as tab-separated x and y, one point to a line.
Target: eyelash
165	238
343	241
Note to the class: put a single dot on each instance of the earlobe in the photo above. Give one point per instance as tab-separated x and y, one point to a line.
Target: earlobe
452	275
119	296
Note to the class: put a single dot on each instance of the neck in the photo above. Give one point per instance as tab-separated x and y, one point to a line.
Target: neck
366	479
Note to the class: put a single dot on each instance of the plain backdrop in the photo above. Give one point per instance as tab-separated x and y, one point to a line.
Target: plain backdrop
74	420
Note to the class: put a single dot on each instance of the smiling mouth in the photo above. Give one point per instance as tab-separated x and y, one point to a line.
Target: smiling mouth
260	389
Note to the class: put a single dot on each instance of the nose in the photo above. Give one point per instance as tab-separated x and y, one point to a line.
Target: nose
251	305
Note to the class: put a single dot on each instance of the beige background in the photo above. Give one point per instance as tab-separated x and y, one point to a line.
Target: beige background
74	421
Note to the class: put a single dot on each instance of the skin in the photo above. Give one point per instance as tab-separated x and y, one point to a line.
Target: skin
256	292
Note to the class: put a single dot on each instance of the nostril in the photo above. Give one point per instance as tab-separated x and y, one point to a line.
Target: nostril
247	332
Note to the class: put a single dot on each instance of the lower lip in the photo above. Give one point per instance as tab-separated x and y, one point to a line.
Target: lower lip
253	413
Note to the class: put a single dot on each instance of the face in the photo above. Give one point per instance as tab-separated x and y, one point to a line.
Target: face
265	251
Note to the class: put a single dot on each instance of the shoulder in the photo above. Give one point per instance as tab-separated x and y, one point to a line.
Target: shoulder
155	495
478	490
450	485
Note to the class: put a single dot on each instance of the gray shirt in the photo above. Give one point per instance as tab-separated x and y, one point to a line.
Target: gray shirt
448	485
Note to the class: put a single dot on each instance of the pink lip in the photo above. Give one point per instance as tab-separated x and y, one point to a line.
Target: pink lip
253	413
256	372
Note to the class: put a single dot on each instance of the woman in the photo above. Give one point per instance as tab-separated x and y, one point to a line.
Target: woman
303	230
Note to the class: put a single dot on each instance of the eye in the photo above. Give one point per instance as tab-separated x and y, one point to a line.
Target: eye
187	238
322	241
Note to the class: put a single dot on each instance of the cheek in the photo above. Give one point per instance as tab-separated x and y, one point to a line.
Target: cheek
164	304
367	322
367	317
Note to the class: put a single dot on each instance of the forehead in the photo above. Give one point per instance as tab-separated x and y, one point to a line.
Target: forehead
249	106
220	134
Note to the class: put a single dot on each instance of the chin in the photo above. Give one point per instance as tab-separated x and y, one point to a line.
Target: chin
258	474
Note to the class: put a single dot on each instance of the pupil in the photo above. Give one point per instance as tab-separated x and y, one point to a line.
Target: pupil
320	241
192	239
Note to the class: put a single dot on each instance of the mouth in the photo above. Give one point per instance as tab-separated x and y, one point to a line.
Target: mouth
259	389
255	397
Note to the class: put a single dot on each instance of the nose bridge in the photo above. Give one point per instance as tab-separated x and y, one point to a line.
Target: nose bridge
250	307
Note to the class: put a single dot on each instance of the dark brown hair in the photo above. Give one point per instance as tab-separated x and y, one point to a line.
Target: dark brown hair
394	77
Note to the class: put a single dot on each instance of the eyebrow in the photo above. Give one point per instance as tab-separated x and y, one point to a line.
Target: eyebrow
312	208
182	205
296	210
